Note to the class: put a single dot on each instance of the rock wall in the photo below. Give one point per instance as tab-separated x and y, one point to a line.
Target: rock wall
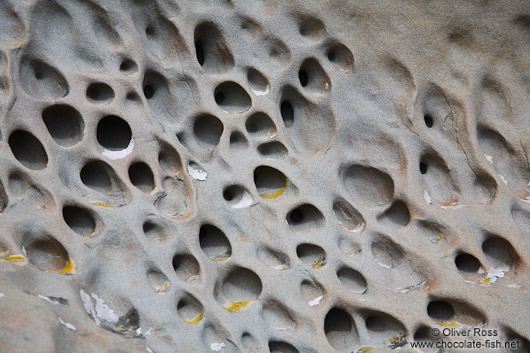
263	176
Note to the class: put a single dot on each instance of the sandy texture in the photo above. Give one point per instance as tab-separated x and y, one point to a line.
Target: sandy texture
263	176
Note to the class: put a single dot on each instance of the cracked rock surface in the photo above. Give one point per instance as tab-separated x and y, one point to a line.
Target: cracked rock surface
263	176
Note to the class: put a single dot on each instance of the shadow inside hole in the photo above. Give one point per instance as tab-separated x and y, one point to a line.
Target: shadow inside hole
440	311
79	220
114	133
287	112
99	92
302	76
467	263
423	168
429	122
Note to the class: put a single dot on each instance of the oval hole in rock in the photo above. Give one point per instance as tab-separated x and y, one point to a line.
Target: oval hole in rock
313	77
114	133
258	82
281	347
169	159
305	217
154	231
352	280
232	98
211	51
440	311
79	220
128	67
42	81
237	196
95	176
340	56
28	150
270	182
311	255
190	310
214	243
371	186
259	124
398	214
311	27
287	112
141	176
99	92
241	285
340	330
429	122
272	150
383	325
208	130
186	267
467	263
47	254
64	124
500	252
347	216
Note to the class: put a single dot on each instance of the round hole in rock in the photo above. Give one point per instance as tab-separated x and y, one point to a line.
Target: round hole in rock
64	123
467	263
114	133
440	311
500	252
28	150
141	176
423	168
241	285
232	98
99	92
79	220
154	231
287	112
208	130
190	310
257	81
302	76
304	218
186	267
95	176
128	66
214	243
311	255
352	280
47	254
237	196
340	330
260	124
270	182
428	120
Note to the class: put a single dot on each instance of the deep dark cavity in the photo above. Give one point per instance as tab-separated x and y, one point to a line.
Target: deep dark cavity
114	133
287	112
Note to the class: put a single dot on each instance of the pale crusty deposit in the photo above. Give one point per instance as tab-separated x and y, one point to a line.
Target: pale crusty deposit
263	175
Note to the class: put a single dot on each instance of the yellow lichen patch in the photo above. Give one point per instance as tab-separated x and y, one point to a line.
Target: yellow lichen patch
196	320
451	323
397	339
100	204
14	259
274	195
220	258
320	263
69	269
440	237
485	281
236	306
163	287
365	349
90	235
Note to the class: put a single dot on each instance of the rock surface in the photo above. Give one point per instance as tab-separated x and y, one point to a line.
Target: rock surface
263	176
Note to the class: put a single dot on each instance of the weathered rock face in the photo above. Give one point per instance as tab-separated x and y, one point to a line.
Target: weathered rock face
263	176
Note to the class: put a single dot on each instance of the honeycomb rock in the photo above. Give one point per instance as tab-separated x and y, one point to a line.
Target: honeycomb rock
264	176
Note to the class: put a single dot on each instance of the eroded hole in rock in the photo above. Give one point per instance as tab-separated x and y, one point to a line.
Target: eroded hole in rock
211	50
305	217
352	280
114	133
259	124
41	80
272	150
287	112
340	329
28	150
214	243
258	82
141	176
281	347
99	92
190	310
500	252
79	220
339	55
238	141
429	122
155	230
311	255
186	267
47	254
128	67
467	263
270	182
440	311
232	98
208	130
241	285
64	123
